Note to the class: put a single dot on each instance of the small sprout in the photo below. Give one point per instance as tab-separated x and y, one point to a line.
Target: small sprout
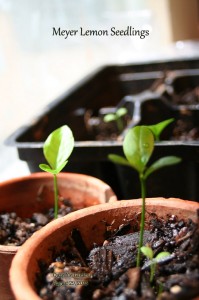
117	117
148	252
138	146
57	148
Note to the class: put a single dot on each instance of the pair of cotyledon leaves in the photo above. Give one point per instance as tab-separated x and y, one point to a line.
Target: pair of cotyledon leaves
114	116
148	252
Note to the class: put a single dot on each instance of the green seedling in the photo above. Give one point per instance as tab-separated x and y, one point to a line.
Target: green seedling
57	148
117	117
138	146
148	252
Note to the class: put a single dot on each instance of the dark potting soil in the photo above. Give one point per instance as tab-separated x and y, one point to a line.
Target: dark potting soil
109	271
187	97
15	230
103	131
185	127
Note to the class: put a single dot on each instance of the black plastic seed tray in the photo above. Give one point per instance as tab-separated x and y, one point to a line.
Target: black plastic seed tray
147	90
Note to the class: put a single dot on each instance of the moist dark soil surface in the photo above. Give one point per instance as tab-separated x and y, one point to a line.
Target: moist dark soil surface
185	128
99	130
188	97
15	230
109	271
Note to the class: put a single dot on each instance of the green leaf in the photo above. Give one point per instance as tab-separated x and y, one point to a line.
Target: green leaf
159	127
161	255
121	112
147	251
58	147
109	118
138	147
119	159
162	162
47	168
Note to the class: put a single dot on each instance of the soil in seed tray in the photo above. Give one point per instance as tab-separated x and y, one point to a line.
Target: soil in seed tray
109	271
188	97
185	128
99	130
15	230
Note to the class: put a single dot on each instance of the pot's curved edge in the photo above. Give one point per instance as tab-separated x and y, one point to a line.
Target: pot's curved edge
162	202
109	193
26	177
19	263
93	179
9	249
168	202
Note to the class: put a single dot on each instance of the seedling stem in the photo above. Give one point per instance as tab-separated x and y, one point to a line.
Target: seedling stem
143	195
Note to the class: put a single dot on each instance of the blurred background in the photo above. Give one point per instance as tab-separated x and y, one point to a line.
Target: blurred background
36	67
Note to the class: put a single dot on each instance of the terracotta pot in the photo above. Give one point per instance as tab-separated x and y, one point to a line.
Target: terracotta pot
88	221
34	193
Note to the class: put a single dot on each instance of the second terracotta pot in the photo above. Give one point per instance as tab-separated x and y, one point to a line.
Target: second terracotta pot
89	222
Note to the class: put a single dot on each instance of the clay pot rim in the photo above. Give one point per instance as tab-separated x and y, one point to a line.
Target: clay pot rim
38	175
79	214
10	249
